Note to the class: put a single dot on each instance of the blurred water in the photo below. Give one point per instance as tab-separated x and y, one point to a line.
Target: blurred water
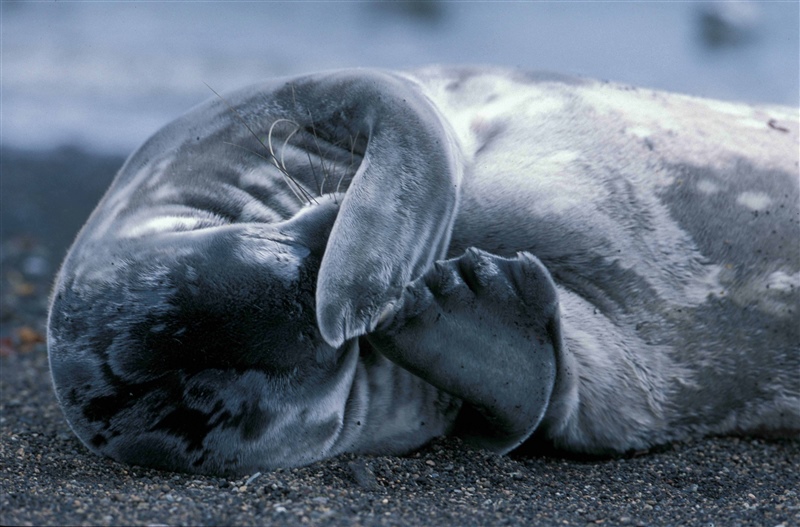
105	75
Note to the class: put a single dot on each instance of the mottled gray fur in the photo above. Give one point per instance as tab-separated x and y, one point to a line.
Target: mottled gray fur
515	258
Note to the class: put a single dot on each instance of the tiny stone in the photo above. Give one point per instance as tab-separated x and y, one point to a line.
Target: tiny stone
252	478
363	475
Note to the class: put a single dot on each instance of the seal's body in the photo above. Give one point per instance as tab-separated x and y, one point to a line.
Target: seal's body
513	258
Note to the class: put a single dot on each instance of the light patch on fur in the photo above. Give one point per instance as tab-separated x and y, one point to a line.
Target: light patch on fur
150	175
162	224
754	200
694	130
733	109
165	192
257	177
706	186
486	103
758	124
607	100
773	294
510	101
119	199
556	162
269	185
782	282
255	211
560	194
746	116
642	132
703	285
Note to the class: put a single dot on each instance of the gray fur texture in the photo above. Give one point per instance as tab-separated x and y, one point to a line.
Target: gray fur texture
521	259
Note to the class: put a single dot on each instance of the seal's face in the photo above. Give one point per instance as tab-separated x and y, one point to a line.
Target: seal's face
228	300
253	305
191	349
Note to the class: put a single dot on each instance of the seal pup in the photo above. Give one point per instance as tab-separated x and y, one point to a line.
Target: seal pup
362	260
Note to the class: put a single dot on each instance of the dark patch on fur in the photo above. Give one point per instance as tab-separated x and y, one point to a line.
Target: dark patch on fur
190	424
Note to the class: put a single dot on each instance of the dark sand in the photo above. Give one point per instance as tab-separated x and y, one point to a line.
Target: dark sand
48	478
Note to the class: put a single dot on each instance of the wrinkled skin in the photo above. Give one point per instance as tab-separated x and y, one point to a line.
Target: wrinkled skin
513	258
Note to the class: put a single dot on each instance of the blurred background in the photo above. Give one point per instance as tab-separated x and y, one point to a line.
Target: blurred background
84	83
106	75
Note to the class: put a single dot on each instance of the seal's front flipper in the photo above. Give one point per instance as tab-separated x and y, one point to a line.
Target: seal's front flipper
397	215
485	329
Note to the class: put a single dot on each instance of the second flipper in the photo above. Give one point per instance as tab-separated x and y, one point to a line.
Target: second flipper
485	329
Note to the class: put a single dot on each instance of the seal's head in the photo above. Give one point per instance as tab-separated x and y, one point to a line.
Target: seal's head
232	298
